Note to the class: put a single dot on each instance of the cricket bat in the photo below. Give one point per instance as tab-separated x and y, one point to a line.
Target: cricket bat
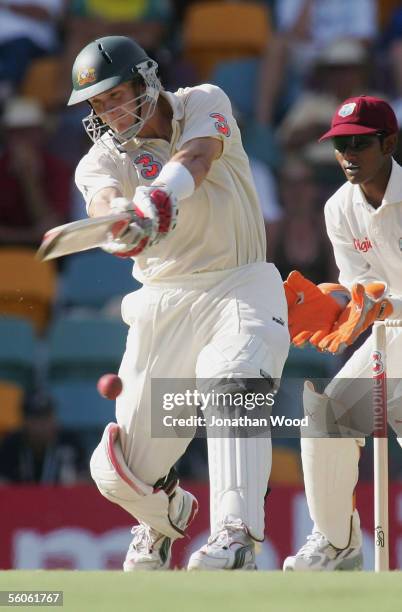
87	234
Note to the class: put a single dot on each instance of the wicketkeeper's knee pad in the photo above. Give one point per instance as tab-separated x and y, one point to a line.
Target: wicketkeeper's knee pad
155	505
330	466
329	417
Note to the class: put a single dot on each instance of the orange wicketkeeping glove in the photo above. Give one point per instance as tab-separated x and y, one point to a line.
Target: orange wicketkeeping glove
367	305
312	309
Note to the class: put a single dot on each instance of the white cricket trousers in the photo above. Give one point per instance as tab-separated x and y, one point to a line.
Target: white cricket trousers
170	324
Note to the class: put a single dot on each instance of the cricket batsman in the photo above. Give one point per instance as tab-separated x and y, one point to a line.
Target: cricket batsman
210	307
364	223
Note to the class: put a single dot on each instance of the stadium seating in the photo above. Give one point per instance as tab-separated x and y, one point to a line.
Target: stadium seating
94	278
27	286
216	31
10	407
18	351
229	74
286	467
42	82
85	348
385	11
80	351
309	363
259	141
79	406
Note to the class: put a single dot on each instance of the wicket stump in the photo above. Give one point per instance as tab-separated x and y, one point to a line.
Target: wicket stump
380	433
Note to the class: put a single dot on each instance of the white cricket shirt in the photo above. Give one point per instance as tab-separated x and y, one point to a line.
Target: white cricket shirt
220	226
367	242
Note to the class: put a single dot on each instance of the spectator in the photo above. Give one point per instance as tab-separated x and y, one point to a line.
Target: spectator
302	244
265	183
340	72
144	20
392	50
35	185
304	27
40	452
28	30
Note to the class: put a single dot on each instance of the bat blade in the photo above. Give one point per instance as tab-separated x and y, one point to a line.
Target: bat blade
83	235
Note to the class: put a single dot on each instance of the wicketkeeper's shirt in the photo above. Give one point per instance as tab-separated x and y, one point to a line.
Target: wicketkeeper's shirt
220	226
367	242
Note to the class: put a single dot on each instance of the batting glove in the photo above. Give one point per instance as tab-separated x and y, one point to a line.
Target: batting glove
133	239
153	205
160	206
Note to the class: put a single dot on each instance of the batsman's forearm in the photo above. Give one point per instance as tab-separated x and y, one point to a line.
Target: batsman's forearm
197	156
100	203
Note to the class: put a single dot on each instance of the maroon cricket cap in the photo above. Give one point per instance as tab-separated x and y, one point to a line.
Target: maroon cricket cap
362	115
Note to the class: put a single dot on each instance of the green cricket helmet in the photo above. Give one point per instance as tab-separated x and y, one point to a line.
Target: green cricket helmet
102	65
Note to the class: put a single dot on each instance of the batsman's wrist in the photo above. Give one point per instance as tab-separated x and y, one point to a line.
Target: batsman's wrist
120	204
176	179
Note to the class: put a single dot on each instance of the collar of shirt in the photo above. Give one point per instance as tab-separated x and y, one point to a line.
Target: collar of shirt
178	113
393	192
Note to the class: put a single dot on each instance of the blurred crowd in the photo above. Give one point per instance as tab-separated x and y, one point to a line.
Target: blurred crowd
285	64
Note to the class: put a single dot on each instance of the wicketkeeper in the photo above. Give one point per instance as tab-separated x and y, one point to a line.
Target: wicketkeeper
211	308
364	223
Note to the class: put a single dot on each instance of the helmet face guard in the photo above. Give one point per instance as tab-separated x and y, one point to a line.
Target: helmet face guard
103	65
140	108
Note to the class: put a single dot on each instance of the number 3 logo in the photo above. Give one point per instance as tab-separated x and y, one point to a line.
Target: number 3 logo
221	124
150	167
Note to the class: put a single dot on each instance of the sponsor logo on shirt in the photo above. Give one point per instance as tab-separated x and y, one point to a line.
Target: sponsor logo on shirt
150	168
362	245
221	124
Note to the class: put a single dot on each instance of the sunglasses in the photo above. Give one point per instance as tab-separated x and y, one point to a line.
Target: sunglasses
357	142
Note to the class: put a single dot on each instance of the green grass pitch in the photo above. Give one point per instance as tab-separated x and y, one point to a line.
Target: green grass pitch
212	592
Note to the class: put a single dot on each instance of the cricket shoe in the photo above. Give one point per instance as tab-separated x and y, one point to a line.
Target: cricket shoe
318	555
229	548
151	550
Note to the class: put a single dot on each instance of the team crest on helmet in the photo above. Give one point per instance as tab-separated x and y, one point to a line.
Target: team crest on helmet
86	75
347	109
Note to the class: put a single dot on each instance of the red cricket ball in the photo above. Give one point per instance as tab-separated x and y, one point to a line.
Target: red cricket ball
110	386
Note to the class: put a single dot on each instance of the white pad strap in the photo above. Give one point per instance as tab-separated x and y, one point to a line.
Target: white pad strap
117	483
